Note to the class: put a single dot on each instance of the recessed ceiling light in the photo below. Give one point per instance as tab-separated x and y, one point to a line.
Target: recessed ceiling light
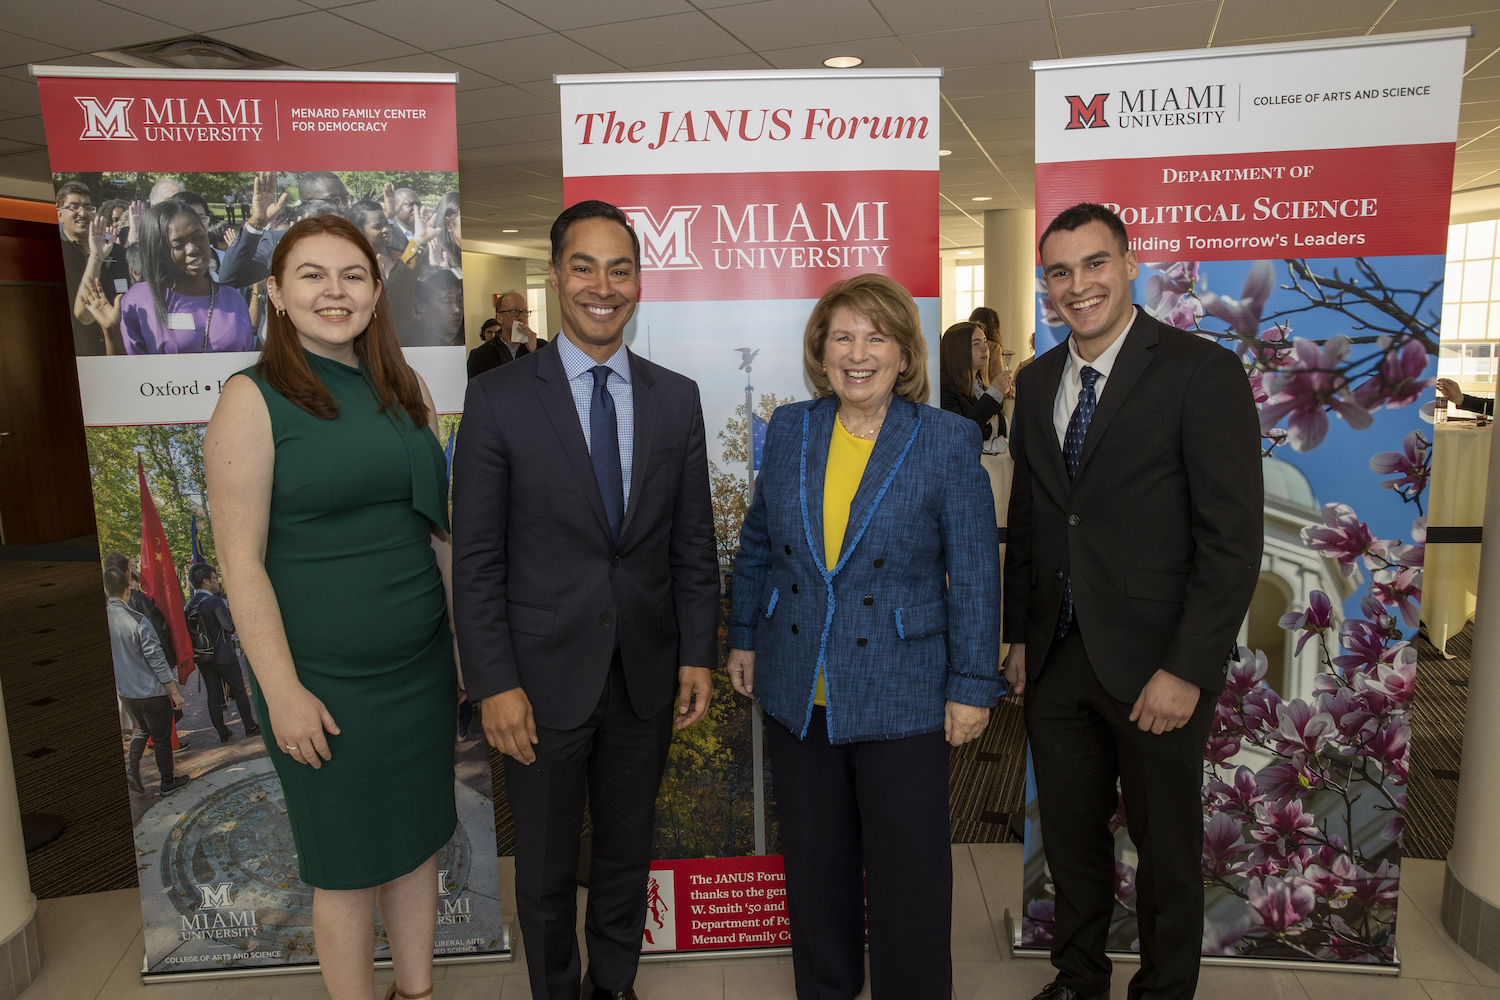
944	152
510	230
963	253
842	62
983	197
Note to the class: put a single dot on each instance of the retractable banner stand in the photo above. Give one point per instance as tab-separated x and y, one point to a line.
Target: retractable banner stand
1289	202
751	193
217	864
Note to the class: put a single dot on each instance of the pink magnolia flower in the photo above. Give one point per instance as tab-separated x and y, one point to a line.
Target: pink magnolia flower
1414	554
1285	827
1224	939
1246	670
1279	906
1377	888
1330	884
1413	464
1315	619
1274	350
1241	794
1306	389
1049	312
1301	728
1345	537
1350	713
1124	884
1396	825
1401	589
1243	314
1036	927
1288	779
1262	709
1365	644
1223	843
1389	746
1258	385
1398	679
1221	749
1399	380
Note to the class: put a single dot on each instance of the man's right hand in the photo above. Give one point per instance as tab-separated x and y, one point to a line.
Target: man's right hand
265	206
508	724
1015	667
1450	389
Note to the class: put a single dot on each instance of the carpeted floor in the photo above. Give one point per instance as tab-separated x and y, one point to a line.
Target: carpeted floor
64	731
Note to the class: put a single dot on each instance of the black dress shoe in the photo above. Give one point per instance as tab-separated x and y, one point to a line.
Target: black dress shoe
225	736
603	994
1057	991
252	731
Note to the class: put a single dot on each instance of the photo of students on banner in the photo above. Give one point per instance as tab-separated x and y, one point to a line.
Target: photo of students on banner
178	265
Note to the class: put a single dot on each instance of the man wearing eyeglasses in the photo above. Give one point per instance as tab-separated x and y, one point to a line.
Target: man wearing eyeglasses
519	340
90	254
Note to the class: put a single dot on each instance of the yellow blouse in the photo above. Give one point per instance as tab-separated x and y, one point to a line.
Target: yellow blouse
847	457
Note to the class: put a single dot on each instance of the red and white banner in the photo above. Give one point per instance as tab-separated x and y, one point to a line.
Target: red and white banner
751	194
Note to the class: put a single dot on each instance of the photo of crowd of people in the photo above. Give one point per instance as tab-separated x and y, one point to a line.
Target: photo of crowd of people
177	264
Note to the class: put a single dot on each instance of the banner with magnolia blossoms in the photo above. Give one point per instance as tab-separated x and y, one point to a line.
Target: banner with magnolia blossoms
1291	204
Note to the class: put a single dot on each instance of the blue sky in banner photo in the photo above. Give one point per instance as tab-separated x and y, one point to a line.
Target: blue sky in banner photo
1339	468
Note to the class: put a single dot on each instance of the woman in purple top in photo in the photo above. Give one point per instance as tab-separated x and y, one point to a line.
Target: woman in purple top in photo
176	308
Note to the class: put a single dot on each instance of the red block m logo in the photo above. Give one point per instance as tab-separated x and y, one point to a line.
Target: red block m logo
1090	115
666	246
110	121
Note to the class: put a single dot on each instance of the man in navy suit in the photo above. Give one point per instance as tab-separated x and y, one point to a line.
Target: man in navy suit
1134	545
585	590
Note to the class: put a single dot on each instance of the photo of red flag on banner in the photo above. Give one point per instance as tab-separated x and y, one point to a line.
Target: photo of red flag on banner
159	577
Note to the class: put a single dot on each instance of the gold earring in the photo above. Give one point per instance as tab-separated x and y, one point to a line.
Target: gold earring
281	313
373	315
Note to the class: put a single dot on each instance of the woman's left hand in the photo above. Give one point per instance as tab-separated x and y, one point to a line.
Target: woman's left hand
962	723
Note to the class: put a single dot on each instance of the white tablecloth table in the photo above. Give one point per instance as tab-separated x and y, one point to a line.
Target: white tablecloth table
1455	498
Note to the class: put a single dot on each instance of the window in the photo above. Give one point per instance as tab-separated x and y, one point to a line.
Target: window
1470	350
536	301
968	279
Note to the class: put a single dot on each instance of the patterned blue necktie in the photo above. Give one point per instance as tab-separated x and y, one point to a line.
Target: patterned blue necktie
1078	429
604	450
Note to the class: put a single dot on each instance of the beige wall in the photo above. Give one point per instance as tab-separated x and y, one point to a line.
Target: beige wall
485	276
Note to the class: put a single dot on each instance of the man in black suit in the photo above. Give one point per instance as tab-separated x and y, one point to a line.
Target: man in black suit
586	595
1135	538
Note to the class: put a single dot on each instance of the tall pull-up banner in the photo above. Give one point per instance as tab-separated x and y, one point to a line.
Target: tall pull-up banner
751	193
163	177
1289	202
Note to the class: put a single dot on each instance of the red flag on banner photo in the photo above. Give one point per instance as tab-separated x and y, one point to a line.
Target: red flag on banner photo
159	577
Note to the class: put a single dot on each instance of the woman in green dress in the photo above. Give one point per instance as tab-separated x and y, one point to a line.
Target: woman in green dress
329	499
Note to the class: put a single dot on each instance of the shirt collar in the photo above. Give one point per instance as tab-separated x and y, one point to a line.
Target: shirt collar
1104	362
576	363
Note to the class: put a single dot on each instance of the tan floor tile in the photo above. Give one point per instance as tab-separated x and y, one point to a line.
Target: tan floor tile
83	940
488	988
1227	982
516	988
1426	952
999	868
760	982
124	982
485	970
1000	980
245	987
1459	991
700	981
1422	881
974	936
1356	986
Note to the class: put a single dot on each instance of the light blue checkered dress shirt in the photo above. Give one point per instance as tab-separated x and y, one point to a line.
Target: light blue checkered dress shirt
578	367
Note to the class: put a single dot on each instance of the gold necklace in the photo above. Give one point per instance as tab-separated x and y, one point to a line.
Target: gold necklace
875	430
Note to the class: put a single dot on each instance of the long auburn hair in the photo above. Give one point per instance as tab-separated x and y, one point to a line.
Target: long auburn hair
283	363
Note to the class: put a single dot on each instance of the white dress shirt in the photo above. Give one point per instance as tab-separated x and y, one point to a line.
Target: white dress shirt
1071	385
579	368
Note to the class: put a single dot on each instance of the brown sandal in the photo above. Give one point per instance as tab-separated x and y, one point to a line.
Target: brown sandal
395	993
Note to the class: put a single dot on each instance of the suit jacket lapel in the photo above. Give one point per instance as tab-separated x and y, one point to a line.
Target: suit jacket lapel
643	394
556	397
815	453
1051	367
1135	354
889	451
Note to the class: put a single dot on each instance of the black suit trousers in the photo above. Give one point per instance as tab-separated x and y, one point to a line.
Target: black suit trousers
217	676
1082	742
615	760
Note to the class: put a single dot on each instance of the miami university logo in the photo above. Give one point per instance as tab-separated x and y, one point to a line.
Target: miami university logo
216	897
1090	115
111	121
667	245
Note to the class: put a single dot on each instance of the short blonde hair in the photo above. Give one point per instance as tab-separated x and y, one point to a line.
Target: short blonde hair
891	310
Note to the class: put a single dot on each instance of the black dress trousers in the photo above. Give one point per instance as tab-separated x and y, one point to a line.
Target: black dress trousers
1082	740
865	823
615	760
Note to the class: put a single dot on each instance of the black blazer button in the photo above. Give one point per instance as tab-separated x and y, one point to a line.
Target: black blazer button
1073	520
869	600
615	561
606	619
794	588
1059	574
879	563
788	549
862	641
794	630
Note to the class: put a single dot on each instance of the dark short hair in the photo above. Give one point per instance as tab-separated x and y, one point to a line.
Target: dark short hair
116	582
195	201
198	572
320	179
73	187
590	210
1081	215
116	560
359	213
489	323
112	204
434	280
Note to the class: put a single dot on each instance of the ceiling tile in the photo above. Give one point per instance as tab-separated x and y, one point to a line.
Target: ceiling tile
24	130
540	58
27	166
510	153
17	49
542	127
770	24
984	46
1014	80
654	40
317	40
489	103
426	62
84	25
585	13
443	25
19	97
1251	18
876	52
1180	26
745	60
908	16
210	15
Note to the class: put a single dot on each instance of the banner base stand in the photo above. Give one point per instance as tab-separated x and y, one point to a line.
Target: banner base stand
712	955
1013	935
505	954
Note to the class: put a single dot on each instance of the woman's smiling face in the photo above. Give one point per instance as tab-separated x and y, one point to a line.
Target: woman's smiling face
327	291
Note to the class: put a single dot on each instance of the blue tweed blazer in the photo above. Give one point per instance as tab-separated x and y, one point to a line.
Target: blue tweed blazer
909	617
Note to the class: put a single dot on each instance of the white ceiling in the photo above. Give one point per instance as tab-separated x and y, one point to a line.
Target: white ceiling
505	55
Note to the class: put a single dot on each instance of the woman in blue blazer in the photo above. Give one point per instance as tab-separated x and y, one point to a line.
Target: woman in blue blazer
866	621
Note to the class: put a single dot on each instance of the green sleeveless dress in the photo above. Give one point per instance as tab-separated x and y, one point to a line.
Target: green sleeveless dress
349	557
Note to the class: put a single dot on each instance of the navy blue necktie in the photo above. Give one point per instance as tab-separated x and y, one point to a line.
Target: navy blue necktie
1078	429
604	450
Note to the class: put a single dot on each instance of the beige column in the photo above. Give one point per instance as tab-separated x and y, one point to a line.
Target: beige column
1010	276
20	947
1471	888
485	276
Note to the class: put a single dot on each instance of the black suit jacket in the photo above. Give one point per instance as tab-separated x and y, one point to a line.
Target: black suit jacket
539	587
979	409
1162	528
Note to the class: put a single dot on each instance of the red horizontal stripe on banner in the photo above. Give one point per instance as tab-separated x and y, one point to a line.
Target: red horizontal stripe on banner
236	125
1377	201
725	237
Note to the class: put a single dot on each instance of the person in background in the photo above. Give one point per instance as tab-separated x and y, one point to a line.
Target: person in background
369	218
438	311
249	260
90	253
867	493
400	206
177	308
198	204
142	604
165	187
145	684
450	237
510	310
222	668
1450	391
490	353
997	373
964	353
115	213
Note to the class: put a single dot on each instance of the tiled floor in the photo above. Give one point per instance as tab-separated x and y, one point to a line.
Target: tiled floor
93	952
